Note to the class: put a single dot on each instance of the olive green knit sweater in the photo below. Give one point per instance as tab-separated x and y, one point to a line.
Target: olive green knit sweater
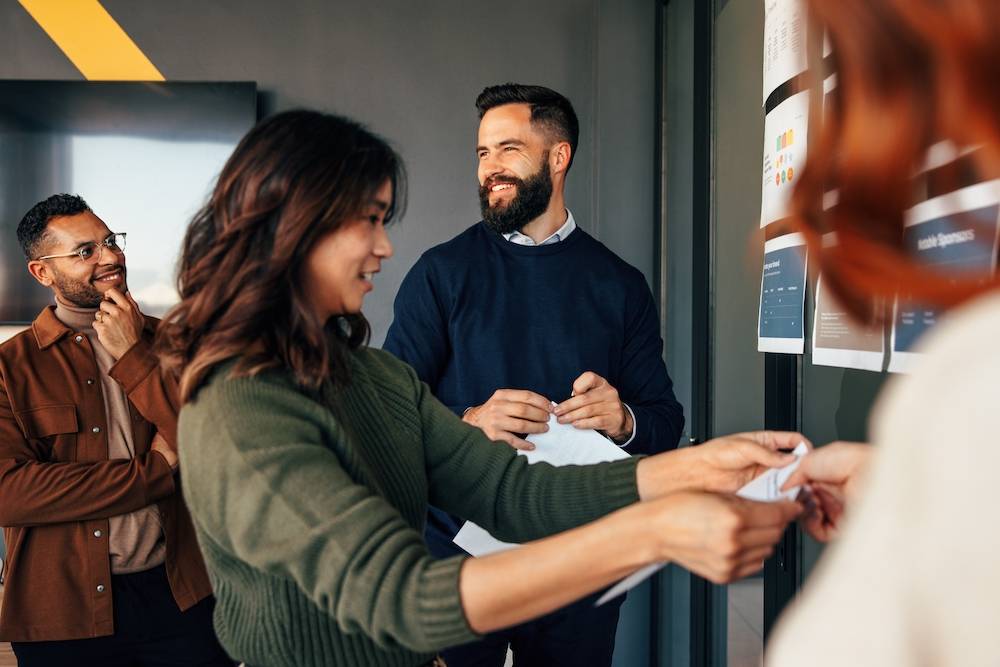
310	509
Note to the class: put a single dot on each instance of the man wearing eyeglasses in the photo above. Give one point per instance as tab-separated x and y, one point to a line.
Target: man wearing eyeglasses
103	567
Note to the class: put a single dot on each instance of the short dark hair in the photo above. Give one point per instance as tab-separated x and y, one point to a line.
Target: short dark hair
31	229
549	110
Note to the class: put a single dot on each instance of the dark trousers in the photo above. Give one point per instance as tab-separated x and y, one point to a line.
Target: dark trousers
150	631
580	635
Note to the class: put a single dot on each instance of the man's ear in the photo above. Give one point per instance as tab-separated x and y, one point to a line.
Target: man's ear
41	272
559	157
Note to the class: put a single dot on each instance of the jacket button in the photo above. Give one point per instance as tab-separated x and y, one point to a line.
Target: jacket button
100	588
96	429
79	339
90	380
97	533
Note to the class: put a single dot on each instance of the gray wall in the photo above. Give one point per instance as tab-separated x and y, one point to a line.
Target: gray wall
738	369
411	71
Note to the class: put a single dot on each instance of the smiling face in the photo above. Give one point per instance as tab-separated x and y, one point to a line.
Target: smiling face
72	279
340	266
515	181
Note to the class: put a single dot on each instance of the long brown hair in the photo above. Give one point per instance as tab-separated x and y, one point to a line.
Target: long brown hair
910	73
293	178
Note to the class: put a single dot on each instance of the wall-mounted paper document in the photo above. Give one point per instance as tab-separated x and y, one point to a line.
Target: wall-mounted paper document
786	131
784	42
839	340
766	488
780	325
561	445
957	233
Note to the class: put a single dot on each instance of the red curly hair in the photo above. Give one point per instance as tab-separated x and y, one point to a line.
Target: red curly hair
910	73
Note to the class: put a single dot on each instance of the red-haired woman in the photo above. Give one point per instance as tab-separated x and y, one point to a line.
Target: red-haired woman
912	578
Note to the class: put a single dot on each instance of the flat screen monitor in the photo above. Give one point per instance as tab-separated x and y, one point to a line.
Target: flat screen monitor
143	155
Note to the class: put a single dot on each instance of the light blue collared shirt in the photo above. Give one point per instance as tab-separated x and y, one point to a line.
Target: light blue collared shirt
559	235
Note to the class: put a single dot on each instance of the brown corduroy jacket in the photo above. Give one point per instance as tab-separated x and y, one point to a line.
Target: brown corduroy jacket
58	488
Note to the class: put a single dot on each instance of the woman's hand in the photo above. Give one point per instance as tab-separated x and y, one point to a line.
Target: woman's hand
722	465
719	537
833	476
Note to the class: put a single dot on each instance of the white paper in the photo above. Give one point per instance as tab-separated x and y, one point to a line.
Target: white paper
958	229
474	539
630	582
766	488
786	131
781	310
784	42
561	445
838	340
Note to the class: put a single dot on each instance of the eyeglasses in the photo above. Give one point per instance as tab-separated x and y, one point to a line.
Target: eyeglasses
90	253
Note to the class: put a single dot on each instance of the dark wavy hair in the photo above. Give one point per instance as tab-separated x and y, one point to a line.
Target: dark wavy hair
33	226
550	111
292	179
910	73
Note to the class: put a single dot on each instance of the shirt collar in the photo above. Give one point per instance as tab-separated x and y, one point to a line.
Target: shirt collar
559	235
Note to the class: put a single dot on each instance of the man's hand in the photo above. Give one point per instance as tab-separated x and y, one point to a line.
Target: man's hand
118	323
722	465
160	446
833	476
595	404
721	538
511	411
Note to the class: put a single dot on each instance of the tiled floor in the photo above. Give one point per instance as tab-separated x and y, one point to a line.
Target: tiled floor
6	656
746	623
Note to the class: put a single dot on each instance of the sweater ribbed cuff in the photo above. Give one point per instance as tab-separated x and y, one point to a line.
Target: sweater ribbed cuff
619	484
440	606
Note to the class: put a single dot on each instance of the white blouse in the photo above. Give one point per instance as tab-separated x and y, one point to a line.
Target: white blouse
915	577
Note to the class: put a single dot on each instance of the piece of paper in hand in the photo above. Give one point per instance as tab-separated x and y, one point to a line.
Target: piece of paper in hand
561	445
474	539
765	488
629	582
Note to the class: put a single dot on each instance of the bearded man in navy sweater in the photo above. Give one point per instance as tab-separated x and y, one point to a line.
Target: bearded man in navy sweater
523	315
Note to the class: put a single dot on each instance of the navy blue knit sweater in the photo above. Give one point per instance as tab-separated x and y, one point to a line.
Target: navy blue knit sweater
480	313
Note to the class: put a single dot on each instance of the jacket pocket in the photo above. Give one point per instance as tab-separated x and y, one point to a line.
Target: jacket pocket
54	425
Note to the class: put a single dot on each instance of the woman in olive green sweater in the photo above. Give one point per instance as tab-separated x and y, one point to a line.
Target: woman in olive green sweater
308	460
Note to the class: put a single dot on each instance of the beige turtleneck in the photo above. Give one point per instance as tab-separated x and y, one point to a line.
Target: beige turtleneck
136	540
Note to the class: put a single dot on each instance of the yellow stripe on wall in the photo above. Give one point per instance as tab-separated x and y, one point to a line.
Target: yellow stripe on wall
92	40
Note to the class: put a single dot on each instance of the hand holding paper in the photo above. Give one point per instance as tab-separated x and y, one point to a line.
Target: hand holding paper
560	445
764	488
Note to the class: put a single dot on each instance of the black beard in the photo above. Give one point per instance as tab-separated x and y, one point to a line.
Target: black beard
80	294
532	199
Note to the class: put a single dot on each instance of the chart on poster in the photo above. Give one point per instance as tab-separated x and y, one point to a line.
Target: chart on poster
780	314
955	233
784	42
785	143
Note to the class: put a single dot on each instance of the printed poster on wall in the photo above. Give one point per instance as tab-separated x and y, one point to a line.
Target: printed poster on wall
780	326
784	42
785	133
839	340
956	232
